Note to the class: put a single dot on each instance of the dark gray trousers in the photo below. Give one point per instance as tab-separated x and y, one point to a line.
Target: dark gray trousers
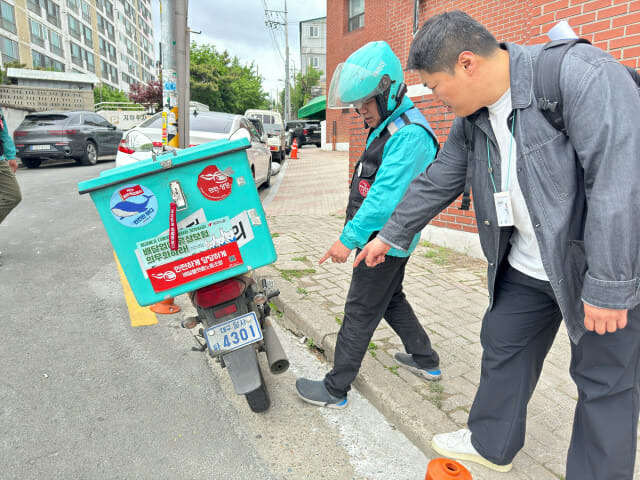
516	336
375	293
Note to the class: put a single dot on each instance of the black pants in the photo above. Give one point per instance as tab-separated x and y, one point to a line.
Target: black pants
516	336
375	293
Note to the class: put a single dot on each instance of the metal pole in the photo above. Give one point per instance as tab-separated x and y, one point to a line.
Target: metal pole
169	101
182	70
287	92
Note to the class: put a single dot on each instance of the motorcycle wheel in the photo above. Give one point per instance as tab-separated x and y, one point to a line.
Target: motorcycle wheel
259	400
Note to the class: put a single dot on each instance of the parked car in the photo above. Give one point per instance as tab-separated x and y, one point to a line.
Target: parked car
272	122
203	127
83	136
306	132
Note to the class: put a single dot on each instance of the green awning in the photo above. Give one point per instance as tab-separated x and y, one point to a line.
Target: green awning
315	108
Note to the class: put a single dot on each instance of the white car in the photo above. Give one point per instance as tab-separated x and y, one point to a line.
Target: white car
203	127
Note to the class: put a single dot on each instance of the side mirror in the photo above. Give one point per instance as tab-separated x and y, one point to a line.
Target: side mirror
111	127
240	133
138	142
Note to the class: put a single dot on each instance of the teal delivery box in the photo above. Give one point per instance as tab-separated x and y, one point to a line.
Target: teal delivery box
184	219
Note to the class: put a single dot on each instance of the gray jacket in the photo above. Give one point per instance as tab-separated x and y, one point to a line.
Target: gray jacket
582	190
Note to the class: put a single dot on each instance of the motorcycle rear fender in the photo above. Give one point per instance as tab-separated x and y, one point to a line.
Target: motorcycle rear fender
244	369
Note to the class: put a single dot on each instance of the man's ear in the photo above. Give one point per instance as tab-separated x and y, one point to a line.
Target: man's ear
467	61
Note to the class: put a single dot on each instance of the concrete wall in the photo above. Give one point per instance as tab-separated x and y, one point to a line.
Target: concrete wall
43	98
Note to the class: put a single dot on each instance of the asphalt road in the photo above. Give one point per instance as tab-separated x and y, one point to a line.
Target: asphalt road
83	394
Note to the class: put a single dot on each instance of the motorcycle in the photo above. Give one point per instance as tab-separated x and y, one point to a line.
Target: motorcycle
234	314
236	325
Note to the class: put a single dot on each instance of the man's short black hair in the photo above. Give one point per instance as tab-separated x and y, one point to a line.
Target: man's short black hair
442	38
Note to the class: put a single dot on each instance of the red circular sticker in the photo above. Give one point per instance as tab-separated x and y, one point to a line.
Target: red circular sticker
363	187
214	184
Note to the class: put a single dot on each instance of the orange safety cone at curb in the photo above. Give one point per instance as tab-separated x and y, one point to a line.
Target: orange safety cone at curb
165	306
294	150
446	469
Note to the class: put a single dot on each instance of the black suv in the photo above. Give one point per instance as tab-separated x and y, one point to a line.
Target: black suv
306	132
82	136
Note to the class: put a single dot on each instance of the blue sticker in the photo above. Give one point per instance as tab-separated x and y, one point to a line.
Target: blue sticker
134	205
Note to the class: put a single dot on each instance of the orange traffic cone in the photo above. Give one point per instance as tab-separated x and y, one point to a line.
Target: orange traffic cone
294	150
165	306
446	469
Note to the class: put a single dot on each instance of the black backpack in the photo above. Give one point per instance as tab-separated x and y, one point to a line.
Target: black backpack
546	86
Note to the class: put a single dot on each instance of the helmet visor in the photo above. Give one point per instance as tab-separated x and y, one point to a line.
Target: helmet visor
353	85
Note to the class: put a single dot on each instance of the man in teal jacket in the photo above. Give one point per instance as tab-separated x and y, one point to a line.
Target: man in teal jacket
9	190
400	146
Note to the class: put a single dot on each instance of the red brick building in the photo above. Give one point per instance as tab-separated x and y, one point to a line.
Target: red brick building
613	25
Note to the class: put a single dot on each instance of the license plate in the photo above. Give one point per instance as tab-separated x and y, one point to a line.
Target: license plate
40	147
233	334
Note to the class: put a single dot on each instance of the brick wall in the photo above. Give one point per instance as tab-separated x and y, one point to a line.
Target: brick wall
613	25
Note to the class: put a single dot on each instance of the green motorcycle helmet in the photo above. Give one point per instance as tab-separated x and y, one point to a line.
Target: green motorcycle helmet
371	71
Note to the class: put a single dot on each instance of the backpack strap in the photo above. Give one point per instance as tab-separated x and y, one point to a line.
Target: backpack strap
546	81
469	128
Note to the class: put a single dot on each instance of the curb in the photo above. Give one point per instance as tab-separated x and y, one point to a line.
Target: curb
402	406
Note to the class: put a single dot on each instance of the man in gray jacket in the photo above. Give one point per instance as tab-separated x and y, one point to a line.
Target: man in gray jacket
558	217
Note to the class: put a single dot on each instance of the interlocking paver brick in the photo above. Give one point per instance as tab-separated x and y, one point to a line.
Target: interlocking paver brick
449	295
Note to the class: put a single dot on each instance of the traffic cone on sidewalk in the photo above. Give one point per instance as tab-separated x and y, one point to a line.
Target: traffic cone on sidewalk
294	150
165	306
446	469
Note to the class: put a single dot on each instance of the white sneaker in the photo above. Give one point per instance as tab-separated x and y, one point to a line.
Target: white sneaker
457	445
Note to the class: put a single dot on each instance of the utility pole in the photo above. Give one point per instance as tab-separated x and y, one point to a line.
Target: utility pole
169	84
287	91
273	23
182	53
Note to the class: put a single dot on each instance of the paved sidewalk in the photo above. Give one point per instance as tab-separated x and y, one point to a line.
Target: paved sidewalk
448	292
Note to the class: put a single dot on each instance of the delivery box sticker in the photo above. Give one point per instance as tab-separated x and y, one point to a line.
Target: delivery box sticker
133	205
214	183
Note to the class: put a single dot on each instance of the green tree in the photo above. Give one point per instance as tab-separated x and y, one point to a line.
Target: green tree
223	83
13	64
301	89
104	93
301	92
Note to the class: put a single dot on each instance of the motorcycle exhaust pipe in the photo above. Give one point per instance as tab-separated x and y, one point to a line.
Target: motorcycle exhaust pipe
276	358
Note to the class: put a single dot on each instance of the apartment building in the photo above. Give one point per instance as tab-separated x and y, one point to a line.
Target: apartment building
313	48
111	38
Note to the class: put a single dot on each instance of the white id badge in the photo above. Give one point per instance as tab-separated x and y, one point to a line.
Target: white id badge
503	208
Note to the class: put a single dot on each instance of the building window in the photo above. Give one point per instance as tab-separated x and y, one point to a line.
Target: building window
314	31
91	66
7	17
314	62
74	27
74	5
53	13
8	50
55	43
88	37
76	55
34	6
86	11
42	61
37	33
356	14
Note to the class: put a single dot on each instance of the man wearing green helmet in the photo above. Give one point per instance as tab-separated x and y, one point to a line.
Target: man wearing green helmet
400	146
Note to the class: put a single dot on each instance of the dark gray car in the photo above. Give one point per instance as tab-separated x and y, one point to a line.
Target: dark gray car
82	136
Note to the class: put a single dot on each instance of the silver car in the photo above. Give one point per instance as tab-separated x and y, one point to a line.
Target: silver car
203	127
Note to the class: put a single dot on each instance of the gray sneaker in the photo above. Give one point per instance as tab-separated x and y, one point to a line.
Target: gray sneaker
407	361
315	393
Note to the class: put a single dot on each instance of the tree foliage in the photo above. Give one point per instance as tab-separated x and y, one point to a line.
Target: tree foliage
104	93
221	82
301	89
149	95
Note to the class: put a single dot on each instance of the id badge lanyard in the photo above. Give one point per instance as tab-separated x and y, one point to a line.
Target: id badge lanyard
502	200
